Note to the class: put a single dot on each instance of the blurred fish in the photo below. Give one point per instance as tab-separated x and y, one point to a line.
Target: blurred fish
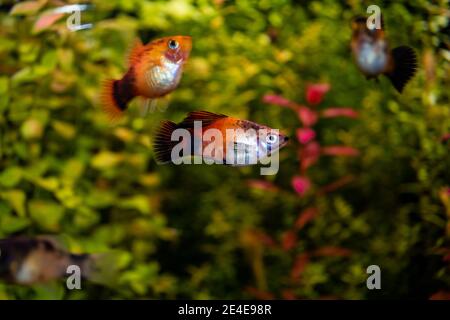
249	143
154	71
374	57
29	261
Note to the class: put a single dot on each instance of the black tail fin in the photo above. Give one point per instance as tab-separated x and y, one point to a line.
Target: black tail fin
405	66
163	144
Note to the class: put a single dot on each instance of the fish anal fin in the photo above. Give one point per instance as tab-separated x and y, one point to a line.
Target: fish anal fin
147	105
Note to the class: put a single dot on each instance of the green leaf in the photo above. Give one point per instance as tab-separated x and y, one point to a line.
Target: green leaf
138	202
16	199
11	176
11	224
46	214
106	159
4	93
49	291
50	183
64	129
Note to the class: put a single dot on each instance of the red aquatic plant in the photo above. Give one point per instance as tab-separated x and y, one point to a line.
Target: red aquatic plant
309	152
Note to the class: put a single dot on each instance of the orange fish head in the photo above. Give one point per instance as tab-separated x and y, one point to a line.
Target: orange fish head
358	25
175	48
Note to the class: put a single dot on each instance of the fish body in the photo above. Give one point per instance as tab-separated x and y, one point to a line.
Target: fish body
241	141
29	261
374	57
35	260
155	70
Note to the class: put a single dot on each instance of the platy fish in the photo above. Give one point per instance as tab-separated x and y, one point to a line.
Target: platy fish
29	261
373	56
155	70
216	138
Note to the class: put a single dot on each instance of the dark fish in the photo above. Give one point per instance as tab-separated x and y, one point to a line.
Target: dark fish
29	261
373	56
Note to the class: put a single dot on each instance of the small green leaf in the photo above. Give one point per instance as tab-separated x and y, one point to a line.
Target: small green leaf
16	199
46	214
11	177
106	159
10	224
64	129
138	202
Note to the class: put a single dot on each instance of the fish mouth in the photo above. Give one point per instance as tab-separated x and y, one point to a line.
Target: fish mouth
187	47
284	142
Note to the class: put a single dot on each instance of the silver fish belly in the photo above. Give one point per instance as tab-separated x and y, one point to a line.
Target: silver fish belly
165	77
372	57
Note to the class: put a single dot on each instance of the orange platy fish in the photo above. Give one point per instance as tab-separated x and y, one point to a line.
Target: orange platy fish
29	261
154	71
374	57
216	138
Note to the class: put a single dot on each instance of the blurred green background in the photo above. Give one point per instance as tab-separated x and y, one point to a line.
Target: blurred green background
205	232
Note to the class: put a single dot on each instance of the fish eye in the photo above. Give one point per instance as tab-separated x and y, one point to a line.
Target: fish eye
272	138
173	44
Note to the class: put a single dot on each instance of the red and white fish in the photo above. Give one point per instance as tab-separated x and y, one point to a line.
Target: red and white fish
154	71
216	138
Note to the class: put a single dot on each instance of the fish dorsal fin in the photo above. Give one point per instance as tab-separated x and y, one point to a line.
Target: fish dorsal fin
135	52
205	117
55	241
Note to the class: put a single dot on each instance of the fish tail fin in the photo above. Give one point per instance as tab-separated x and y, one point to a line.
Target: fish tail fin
163	143
114	99
102	268
405	66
